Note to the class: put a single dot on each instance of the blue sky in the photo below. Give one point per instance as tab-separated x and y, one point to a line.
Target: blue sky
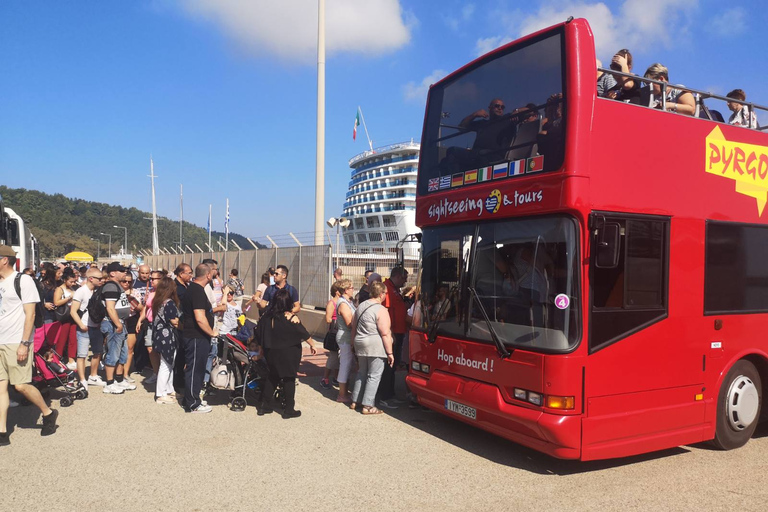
222	93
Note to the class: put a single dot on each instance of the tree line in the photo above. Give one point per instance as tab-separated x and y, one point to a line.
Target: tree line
63	225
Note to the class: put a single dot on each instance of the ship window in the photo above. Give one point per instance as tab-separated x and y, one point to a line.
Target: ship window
361	237
374	237
373	222
392	236
359	223
389	221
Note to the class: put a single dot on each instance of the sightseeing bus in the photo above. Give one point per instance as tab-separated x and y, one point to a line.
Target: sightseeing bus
18	236
592	281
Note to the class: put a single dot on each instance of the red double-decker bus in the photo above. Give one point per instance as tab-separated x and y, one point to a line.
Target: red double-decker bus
592	280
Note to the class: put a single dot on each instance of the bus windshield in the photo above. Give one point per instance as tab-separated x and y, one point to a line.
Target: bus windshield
524	271
507	108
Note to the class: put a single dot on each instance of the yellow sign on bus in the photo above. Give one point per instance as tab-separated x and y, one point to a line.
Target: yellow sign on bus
746	164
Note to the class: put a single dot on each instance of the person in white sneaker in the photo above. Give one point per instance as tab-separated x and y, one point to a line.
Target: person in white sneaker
165	314
118	308
88	332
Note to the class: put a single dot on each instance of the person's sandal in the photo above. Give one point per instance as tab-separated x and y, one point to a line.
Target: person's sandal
372	410
353	406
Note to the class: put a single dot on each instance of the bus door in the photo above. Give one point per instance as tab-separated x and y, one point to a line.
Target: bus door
643	378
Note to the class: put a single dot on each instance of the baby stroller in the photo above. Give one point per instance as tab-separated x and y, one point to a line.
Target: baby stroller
50	372
244	374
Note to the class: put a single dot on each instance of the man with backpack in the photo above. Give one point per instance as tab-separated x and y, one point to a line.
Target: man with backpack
88	331
18	299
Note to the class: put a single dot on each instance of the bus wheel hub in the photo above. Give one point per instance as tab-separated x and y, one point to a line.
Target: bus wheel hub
743	403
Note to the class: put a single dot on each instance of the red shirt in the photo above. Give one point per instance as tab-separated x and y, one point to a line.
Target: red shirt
396	306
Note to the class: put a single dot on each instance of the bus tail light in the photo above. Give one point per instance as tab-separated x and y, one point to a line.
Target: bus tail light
560	402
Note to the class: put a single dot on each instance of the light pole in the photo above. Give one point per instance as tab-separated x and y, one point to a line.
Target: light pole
340	222
98	247
110	244
125	247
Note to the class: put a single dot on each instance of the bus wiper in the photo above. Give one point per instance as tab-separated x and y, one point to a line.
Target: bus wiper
432	335
500	348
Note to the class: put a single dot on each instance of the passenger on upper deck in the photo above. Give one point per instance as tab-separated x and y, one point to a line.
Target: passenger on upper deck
550	137
741	114
488	124
678	100
626	89
605	81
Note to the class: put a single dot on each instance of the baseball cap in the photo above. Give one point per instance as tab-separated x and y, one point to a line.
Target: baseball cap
373	277
116	267
7	250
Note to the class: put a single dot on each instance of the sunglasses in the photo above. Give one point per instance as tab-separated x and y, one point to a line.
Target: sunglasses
498	105
125	281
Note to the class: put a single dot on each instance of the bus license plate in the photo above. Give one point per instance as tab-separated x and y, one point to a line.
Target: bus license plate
462	409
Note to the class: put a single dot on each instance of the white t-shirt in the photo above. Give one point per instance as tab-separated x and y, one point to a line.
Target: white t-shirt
12	308
83	295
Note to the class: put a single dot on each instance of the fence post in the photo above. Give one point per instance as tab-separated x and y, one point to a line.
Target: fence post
301	271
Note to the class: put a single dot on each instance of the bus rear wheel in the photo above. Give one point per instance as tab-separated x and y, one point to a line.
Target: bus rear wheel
738	406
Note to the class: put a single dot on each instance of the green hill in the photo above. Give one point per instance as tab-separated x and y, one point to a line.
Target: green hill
63	224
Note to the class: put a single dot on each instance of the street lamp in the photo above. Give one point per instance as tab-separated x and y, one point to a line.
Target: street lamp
98	247
125	247
340	222
110	243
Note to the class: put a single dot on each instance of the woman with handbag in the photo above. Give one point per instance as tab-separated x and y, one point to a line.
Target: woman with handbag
372	338
281	337
165	322
62	302
346	312
329	342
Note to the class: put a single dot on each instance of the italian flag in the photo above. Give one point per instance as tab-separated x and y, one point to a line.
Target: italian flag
357	123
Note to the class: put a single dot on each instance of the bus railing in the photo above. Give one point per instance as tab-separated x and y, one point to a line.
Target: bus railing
698	94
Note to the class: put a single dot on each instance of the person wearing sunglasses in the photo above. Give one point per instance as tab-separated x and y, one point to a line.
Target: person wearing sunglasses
131	322
88	332
229	321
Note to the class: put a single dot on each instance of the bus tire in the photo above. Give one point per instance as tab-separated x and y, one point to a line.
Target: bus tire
738	406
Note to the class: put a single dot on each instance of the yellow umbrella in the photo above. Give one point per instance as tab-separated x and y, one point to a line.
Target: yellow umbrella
78	256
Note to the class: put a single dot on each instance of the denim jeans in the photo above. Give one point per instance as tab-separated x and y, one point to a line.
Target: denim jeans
211	356
370	369
117	348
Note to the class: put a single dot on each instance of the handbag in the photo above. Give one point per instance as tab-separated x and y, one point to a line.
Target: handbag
63	313
329	342
222	377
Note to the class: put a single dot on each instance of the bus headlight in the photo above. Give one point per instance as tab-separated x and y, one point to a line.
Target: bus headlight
534	398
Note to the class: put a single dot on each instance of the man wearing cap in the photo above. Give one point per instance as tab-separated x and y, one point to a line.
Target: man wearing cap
113	327
17	329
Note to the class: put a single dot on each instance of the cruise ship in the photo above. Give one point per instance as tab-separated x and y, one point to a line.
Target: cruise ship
381	201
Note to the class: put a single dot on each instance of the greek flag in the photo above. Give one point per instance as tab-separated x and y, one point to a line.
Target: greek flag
226	219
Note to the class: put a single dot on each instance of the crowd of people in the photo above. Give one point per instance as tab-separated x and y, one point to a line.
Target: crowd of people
125	321
677	99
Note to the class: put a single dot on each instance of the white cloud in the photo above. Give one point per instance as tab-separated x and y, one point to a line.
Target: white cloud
484	45
731	22
634	24
418	92
467	12
454	22
288	29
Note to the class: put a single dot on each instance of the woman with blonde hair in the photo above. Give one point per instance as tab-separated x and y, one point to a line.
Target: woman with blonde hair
677	100
372	338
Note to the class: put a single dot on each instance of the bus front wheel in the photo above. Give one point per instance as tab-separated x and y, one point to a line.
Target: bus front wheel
738	406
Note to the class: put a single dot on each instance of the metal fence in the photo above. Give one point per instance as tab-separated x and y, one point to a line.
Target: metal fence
310	268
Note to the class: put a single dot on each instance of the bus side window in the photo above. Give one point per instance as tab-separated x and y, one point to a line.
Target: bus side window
633	295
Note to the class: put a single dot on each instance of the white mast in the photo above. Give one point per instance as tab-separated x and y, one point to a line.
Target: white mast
320	161
155	243
209	225
362	118
181	216
226	227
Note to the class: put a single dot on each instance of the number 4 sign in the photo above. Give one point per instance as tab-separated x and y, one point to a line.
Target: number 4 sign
562	301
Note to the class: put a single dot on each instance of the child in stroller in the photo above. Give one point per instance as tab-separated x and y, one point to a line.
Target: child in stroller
50	372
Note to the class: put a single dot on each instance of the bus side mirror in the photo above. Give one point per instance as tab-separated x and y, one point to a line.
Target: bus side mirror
607	245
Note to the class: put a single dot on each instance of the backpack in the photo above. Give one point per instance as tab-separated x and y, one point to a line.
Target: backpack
39	308
96	308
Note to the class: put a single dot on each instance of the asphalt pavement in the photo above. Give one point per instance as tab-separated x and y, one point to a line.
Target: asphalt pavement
124	452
